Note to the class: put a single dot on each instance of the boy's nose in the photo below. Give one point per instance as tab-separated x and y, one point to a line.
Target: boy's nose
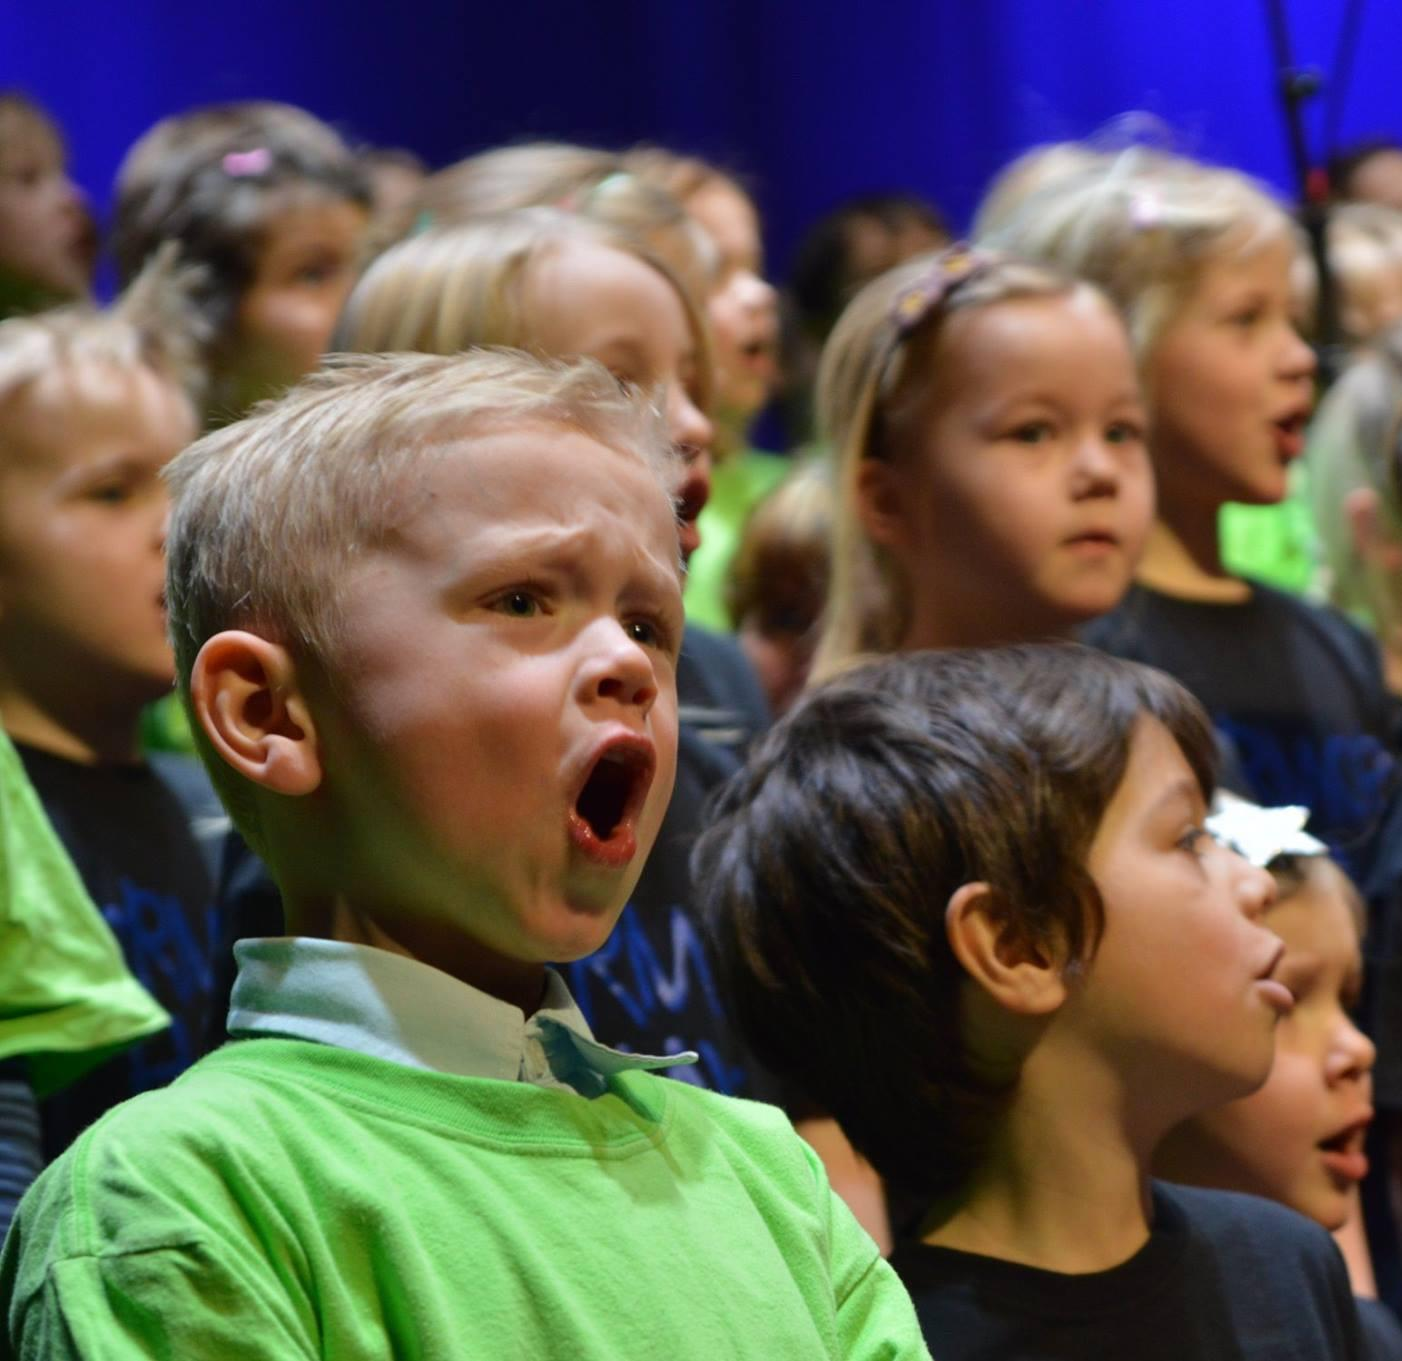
1352	1054
618	670
1297	360
687	424
1098	467
1255	888
756	292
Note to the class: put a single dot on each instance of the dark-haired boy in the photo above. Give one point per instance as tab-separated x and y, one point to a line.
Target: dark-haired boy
1016	964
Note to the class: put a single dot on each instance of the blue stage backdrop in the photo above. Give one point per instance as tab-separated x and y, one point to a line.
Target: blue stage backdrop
811	102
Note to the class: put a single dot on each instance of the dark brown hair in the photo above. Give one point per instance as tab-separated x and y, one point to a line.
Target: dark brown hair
212	177
833	854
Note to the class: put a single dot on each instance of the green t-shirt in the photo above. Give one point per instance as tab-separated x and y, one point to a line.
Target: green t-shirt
737	486
284	1199
1276	544
67	999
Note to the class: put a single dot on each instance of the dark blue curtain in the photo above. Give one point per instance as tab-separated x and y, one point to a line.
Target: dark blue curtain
811	101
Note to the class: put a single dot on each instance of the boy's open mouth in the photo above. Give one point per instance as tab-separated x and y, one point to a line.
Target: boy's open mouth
613	791
1343	1152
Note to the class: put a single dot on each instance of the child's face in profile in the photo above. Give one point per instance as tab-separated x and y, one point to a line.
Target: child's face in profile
47	240
1180	997
1374	305
743	307
82	529
1299	1140
1024	499
305	268
502	740
591	301
1231	383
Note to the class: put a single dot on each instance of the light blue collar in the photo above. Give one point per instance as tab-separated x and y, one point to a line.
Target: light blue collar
392	1007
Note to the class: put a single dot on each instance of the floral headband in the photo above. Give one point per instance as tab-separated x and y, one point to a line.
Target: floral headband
1259	834
950	269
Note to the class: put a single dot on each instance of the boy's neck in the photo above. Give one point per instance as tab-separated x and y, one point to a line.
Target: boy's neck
521	984
1183	556
89	738
1065	1186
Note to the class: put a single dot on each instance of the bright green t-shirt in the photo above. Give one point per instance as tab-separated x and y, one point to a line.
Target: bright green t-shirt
1276	544
67	999
738	485
285	1199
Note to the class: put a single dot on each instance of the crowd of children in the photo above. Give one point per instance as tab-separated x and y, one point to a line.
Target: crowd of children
492	863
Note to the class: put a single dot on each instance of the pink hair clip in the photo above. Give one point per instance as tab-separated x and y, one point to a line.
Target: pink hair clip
240	164
953	266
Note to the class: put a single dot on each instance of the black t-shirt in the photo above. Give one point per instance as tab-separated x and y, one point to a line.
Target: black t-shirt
1222	1276
1382	1334
143	838
1296	692
651	989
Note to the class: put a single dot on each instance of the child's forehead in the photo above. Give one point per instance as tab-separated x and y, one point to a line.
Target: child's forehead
531	471
54	419
26	133
1322	905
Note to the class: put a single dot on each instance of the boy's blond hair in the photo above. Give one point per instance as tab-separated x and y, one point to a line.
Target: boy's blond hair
153	325
452	288
269	514
874	388
1143	225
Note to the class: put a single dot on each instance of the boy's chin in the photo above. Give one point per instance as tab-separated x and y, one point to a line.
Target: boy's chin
586	934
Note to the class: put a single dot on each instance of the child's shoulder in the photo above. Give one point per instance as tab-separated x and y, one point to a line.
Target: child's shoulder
1274	630
1234	1222
751	1136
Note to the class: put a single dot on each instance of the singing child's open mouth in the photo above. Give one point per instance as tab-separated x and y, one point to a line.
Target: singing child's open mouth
614	788
1343	1152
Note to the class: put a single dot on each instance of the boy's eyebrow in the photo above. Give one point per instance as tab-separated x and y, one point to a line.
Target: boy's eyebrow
620	347
559	547
111	465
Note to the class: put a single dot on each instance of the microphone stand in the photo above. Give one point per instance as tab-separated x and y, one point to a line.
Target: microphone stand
1298	85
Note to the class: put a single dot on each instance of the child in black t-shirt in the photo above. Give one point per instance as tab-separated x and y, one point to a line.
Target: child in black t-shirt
1301	1138
965	900
91	408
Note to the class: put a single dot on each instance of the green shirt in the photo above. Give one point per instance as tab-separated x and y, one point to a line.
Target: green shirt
737	486
288	1199
1276	544
67	999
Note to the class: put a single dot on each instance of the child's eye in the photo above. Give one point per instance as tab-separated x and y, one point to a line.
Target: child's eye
110	493
650	632
519	604
1125	432
1247	317
627	385
1195	840
1031	432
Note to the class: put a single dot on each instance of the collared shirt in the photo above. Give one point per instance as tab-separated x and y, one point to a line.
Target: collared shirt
392	1007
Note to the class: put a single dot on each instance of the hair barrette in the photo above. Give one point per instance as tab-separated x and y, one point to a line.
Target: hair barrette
241	164
1259	834
953	266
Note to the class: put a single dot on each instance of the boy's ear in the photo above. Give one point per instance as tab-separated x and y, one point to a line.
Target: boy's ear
246	696
881	502
1018	975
